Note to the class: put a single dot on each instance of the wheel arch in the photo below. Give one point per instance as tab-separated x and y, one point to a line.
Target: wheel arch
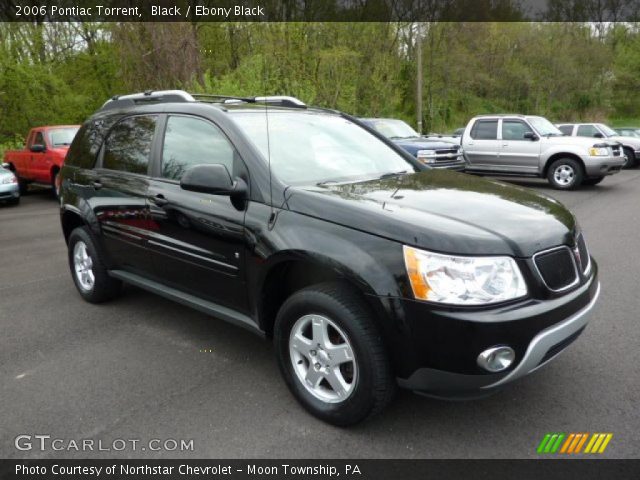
558	156
293	271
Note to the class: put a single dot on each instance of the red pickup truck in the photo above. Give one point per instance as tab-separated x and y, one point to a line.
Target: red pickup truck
42	157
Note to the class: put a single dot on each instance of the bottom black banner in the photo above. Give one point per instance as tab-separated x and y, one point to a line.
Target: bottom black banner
320	469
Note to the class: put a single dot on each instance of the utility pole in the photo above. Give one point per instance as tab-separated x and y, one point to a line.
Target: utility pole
419	78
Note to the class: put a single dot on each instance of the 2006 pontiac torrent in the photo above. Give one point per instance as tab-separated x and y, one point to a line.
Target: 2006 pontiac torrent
367	268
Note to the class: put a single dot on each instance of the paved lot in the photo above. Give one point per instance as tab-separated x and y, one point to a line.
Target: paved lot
133	368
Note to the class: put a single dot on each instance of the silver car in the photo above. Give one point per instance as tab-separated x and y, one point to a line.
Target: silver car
630	144
9	190
528	145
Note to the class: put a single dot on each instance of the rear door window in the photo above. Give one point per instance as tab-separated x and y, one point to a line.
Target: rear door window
128	146
485	130
566	129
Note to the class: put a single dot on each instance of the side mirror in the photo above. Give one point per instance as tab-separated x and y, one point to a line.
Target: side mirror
530	136
213	179
598	135
36	148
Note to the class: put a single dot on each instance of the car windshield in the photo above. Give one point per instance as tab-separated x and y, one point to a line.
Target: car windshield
393	129
62	136
544	127
314	148
609	132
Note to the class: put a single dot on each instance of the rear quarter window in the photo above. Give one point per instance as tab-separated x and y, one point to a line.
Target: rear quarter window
485	130
87	142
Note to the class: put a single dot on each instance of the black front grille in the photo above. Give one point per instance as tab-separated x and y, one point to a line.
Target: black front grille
557	268
584	254
447	151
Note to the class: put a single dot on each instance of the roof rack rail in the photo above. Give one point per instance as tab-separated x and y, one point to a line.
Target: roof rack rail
178	96
150	96
281	100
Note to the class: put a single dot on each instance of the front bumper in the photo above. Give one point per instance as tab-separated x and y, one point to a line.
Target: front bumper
600	166
9	191
445	346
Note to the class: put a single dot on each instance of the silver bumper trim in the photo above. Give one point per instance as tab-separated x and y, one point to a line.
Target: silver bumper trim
546	339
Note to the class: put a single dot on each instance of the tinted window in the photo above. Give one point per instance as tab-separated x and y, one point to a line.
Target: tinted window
566	129
129	144
587	131
39	139
87	142
190	141
485	130
514	130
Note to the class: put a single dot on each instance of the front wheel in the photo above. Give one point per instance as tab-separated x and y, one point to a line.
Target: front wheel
331	354
629	158
565	174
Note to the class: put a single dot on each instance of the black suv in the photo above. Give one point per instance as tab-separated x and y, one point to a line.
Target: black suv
367	268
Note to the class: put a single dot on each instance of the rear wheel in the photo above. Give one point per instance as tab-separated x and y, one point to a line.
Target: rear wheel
592	181
629	158
88	268
331	354
565	174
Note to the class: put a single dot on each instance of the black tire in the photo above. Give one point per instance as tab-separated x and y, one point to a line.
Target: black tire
565	174
54	189
15	201
23	186
592	180
103	286
373	388
630	157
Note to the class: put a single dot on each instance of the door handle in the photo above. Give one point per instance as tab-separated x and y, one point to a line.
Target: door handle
97	184
505	144
159	200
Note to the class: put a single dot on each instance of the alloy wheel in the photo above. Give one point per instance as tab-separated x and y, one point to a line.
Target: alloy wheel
564	175
323	358
83	266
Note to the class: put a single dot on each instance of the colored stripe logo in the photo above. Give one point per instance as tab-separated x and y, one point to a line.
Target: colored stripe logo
573	443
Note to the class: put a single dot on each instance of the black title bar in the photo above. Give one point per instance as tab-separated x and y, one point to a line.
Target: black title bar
583	469
319	10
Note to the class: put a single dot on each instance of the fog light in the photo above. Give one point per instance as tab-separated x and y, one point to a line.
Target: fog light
496	359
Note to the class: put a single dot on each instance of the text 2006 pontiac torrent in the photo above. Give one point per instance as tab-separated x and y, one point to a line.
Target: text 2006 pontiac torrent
367	268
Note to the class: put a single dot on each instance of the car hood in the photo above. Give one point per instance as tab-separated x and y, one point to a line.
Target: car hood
580	141
425	144
632	141
443	211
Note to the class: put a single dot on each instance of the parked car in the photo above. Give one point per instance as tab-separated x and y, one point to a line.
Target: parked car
9	191
628	131
435	153
40	161
367	268
630	145
526	145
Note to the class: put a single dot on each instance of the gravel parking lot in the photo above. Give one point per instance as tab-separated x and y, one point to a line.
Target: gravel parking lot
145	368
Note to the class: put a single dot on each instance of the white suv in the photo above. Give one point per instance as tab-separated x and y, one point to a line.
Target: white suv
527	145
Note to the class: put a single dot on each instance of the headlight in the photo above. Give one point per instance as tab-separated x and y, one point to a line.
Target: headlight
598	151
463	280
9	179
426	156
